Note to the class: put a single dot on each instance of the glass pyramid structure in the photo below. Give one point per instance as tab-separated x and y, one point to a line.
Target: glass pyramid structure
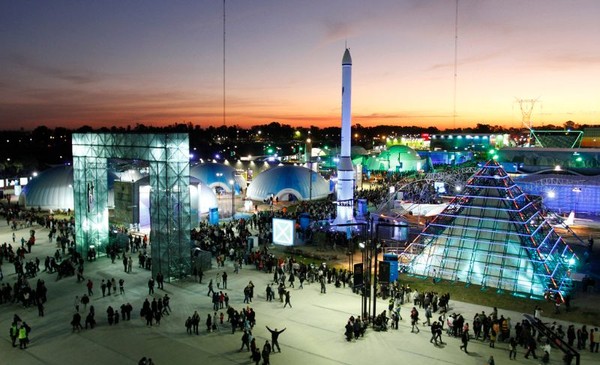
493	235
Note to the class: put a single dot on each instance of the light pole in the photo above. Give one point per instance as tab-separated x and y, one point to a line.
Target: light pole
375	247
232	182
363	270
309	164
310	181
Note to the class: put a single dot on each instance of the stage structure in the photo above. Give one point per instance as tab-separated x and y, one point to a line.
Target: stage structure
168	158
493	235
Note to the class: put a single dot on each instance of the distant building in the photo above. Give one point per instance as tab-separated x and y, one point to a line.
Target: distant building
591	138
468	141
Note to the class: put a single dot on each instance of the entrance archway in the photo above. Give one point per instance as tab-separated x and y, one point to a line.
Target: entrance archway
168	158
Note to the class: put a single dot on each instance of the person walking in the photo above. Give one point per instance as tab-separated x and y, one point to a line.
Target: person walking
266	353
465	340
245	341
433	332
76	303
210	288
40	306
256	356
14	333
160	280
85	300
76	322
428	315
414	320
208	323
23	336
531	346
275	338
195	322
287	299
90	287
151	286
224	280
512	347
594	340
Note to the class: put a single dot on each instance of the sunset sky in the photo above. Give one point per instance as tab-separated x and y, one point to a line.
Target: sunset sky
119	63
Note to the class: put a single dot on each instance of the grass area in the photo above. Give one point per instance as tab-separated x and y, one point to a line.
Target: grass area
486	298
489	298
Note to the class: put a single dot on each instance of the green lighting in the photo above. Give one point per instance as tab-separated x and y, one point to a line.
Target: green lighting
579	159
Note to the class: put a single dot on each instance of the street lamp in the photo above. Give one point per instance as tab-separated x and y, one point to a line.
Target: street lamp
363	270
232	182
310	181
375	247
308	156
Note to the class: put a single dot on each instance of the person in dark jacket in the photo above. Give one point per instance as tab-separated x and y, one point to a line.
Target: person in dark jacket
275	338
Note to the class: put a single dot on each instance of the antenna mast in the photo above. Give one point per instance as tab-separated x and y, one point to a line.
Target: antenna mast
224	33
455	64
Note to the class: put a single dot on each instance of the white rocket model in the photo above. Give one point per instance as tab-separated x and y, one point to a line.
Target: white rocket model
345	176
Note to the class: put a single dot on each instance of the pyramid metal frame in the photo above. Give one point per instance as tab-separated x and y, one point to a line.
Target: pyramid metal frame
170	218
493	235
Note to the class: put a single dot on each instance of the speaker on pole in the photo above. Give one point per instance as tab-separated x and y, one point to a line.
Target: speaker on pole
358	275
384	272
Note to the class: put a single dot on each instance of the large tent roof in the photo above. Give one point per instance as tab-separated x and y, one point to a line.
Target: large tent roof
53	188
288	179
217	174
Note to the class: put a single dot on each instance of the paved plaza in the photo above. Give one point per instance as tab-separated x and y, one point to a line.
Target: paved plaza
314	326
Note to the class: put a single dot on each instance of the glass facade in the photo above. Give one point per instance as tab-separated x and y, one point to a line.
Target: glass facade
168	158
493	235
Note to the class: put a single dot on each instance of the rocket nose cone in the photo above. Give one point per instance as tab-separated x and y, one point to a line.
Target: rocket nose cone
347	59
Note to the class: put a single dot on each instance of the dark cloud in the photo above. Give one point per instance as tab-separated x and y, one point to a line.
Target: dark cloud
73	107
78	77
469	60
579	59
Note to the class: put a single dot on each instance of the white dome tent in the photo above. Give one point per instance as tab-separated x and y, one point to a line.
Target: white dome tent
216	175
202	198
287	183
52	189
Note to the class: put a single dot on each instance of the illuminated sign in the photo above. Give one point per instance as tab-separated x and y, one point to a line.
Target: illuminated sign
284	231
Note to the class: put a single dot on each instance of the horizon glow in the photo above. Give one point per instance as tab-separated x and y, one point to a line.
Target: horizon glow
113	63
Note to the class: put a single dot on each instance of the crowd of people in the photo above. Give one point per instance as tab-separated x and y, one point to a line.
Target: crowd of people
228	245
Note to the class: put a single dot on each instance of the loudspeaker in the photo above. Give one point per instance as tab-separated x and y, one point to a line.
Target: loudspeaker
358	275
384	272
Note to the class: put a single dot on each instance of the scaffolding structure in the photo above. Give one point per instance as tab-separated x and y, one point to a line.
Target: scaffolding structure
493	235
168	158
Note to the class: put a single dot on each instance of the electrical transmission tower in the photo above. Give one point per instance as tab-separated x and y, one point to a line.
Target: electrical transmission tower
526	106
